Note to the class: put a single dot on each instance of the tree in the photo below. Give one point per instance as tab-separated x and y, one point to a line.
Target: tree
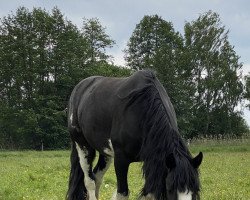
200	71
152	38
38	53
98	40
155	44
42	57
216	73
247	88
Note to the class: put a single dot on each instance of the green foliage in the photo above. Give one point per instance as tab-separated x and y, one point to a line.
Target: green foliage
43	56
153	39
97	39
155	44
200	71
216	75
109	70
247	88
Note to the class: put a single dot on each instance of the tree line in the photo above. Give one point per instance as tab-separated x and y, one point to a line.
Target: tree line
200	70
43	56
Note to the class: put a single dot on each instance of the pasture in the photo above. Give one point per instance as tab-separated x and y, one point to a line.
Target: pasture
33	175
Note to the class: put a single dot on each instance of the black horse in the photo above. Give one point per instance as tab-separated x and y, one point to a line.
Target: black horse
129	119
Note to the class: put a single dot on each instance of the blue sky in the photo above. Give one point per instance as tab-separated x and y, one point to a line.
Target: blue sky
120	18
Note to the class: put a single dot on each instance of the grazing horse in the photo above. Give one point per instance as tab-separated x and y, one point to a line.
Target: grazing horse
130	120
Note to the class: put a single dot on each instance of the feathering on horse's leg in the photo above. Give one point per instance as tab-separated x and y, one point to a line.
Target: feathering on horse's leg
147	197
86	156
99	171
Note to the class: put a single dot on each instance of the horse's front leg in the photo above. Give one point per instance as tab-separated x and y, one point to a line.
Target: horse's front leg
121	169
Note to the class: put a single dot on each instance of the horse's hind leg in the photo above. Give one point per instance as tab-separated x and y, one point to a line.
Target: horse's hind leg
99	171
86	157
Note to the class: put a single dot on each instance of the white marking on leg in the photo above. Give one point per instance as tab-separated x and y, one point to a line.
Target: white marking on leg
148	197
118	196
71	122
109	151
99	176
187	195
89	183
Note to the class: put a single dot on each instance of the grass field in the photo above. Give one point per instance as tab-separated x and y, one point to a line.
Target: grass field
31	175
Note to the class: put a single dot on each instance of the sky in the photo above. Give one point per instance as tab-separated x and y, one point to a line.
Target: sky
121	17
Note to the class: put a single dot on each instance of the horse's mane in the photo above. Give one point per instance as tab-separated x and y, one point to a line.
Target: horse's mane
161	138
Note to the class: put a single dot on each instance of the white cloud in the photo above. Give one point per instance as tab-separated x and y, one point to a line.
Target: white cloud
118	53
246	113
246	69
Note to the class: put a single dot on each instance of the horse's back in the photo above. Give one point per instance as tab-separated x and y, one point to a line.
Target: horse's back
104	92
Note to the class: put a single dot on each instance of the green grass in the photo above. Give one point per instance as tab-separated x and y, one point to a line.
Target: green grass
32	175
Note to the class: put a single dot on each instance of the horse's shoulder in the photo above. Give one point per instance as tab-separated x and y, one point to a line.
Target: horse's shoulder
136	81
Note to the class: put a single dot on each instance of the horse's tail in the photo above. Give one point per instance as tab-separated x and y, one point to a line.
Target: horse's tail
76	190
